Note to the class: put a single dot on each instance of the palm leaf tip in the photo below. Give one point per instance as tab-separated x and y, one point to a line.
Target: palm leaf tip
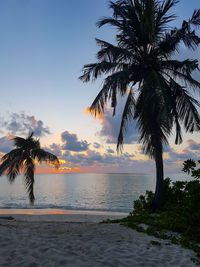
95	112
30	135
57	163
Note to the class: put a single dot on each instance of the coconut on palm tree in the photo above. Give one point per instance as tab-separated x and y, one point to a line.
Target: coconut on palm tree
144	61
22	159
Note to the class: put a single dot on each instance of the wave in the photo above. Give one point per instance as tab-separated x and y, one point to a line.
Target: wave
50	206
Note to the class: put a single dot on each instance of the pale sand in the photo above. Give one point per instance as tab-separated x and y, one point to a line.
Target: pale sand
35	241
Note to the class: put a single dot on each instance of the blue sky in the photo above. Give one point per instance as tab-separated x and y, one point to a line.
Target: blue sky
43	47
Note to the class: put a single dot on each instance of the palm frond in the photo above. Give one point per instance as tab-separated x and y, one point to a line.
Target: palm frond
110	21
127	116
112	53
186	66
30	136
189	37
119	9
186	108
114	83
43	156
95	70
162	18
195	20
19	142
10	159
186	78
166	6
13	169
26	143
191	40
12	154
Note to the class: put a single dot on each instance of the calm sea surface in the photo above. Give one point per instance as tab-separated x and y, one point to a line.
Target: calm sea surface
83	191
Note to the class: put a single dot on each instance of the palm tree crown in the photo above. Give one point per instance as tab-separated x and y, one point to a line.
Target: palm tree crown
23	158
142	62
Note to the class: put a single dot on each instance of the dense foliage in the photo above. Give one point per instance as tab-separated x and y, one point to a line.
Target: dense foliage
190	167
180	212
181	209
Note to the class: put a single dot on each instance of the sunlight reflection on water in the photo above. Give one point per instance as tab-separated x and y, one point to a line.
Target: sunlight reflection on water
98	192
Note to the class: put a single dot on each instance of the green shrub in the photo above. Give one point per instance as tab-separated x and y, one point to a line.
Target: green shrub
180	211
189	167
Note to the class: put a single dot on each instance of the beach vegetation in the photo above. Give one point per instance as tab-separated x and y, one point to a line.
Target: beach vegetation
23	158
190	166
144	67
179	218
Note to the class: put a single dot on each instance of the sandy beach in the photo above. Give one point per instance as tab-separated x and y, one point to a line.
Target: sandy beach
63	240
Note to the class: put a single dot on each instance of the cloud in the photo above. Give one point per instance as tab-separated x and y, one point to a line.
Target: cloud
92	158
111	126
193	145
167	148
96	145
55	149
110	151
78	153
81	156
24	124
71	142
183	155
5	144
192	151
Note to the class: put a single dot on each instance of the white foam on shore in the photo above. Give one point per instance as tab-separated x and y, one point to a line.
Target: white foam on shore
60	215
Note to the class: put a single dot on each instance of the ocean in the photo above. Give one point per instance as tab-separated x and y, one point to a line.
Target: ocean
83	191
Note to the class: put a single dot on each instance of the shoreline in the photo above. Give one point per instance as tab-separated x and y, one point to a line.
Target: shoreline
52	215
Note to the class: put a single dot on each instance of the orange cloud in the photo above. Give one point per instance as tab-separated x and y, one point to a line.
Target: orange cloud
10	136
48	169
94	112
191	142
184	152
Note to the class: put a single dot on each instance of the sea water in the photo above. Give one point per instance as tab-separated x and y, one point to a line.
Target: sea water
82	191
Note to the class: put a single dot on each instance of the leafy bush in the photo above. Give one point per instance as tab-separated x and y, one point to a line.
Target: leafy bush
189	167
180	211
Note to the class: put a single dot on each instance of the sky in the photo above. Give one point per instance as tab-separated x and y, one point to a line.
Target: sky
43	47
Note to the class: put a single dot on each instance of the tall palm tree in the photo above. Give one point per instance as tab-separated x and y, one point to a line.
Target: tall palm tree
158	85
22	158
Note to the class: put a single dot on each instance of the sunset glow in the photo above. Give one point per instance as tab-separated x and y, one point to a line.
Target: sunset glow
94	112
99	123
42	93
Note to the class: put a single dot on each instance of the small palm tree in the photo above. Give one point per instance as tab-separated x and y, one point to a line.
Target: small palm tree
142	61
22	158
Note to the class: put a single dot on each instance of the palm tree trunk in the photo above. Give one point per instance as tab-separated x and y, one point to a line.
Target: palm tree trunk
157	200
